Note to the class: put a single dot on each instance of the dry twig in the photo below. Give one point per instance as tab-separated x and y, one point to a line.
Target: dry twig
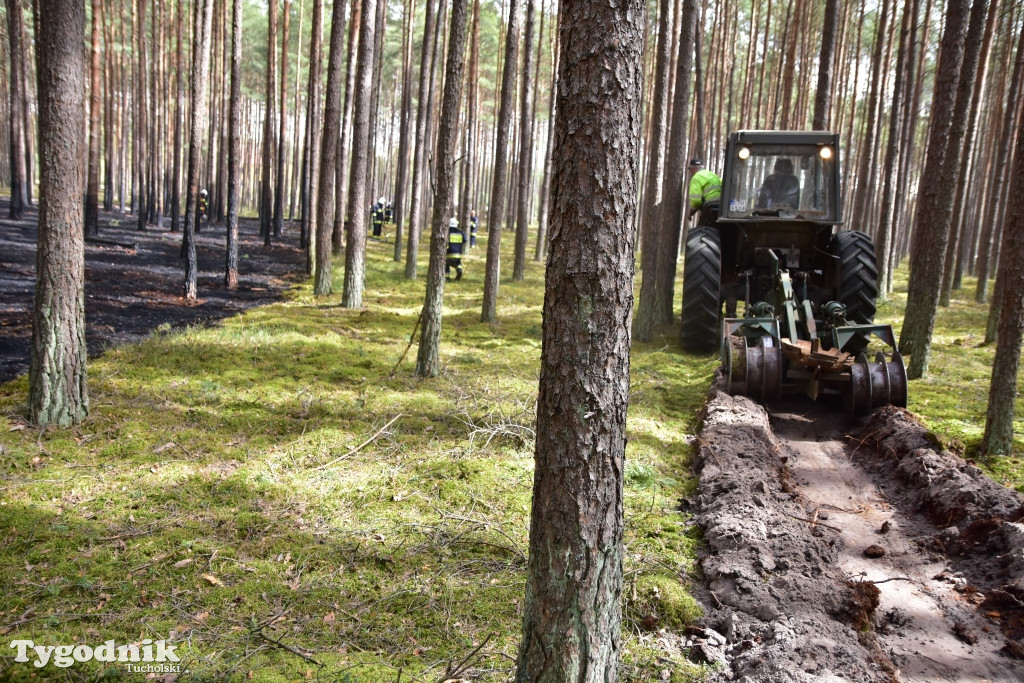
359	447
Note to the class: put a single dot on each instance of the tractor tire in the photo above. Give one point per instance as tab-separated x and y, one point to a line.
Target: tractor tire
702	287
857	274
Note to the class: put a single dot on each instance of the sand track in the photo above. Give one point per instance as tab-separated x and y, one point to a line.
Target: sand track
873	557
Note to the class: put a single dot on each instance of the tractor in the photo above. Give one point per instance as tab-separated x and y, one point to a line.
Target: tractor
808	288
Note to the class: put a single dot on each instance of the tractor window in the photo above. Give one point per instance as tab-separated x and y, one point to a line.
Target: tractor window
787	181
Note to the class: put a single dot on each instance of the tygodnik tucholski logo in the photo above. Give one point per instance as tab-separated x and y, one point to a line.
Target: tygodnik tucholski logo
147	656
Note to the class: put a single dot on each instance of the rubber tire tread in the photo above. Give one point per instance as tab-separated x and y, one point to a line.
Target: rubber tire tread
858	275
702	287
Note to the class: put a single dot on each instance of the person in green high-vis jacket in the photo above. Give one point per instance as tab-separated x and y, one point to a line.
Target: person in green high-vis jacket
705	193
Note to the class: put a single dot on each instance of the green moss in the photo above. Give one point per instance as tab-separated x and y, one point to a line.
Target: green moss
247	474
660	601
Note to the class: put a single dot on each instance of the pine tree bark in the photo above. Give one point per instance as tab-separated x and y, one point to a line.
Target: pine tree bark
322	282
311	165
525	148
934	206
957	221
647	312
572	614
419	144
58	391
428	356
355	230
279	187
234	147
269	142
404	136
541	250
17	122
179	121
92	189
999	173
203	12
141	119
886	231
342	159
674	187
496	210
998	437
826	60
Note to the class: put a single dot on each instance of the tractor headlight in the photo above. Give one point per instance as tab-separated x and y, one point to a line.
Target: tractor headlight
825	153
743	153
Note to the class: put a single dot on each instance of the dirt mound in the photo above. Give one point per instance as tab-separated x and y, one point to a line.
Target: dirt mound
818	570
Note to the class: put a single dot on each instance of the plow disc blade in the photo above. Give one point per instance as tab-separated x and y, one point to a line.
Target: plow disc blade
755	371
875	384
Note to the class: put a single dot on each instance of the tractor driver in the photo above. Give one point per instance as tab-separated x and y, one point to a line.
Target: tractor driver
705	193
781	189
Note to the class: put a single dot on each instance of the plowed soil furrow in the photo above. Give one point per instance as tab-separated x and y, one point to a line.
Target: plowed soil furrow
873	557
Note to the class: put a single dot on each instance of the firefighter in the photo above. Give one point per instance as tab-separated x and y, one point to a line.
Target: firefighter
456	240
705	193
377	217
474	223
204	207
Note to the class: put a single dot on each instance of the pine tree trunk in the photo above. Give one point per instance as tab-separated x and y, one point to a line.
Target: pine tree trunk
355	231
345	143
525	149
203	11
404	142
58	391
322	283
179	121
279	187
674	186
935	201
998	437
92	190
985	250
428	357
141	127
572	615
647	312
269	143
496	208
957	222
311	166
234	147
826	60
419	145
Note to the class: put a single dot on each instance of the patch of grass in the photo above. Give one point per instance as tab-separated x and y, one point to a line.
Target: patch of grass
268	479
953	398
249	482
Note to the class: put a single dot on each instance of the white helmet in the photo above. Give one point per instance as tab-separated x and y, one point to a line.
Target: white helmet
381	200
453	223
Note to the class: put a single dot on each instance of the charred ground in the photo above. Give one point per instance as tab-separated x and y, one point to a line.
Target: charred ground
135	289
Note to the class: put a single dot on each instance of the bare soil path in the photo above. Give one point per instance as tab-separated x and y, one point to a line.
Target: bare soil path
876	557
132	290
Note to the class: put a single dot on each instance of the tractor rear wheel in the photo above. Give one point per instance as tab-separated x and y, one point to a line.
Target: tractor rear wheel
857	275
702	287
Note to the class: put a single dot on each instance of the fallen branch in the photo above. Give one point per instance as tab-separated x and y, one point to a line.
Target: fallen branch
289	648
457	672
412	338
359	447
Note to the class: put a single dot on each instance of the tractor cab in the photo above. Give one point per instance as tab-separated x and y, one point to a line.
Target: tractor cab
782	176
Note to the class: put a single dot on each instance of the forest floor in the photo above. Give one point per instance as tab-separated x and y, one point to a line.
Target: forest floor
265	489
134	289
